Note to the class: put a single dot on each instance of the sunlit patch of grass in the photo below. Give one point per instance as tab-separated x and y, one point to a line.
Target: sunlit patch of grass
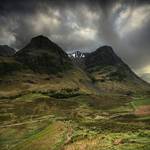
112	141
52	137
140	102
13	135
144	118
31	96
80	122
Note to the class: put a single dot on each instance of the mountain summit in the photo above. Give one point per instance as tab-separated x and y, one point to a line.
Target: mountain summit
41	42
42	55
102	56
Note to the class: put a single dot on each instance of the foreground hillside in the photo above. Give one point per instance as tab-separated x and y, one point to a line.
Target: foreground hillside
41	121
47	102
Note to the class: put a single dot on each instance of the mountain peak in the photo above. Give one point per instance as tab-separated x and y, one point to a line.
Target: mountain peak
102	56
40	38
42	55
40	42
105	49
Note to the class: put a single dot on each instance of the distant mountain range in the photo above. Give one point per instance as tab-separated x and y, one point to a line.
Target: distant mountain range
102	69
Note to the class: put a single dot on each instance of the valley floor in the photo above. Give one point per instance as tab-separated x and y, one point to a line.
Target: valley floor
39	121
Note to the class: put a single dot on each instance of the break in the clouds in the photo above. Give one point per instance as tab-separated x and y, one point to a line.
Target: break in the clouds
84	24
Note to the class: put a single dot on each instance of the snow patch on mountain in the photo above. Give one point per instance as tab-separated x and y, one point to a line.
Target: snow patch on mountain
76	54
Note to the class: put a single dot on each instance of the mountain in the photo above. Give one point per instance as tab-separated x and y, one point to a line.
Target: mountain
42	66
109	64
101	57
6	51
42	55
108	71
105	61
101	70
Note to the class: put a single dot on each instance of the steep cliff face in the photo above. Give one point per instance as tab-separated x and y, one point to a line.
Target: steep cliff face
42	55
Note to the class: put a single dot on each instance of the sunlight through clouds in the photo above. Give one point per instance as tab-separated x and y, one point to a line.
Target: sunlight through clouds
130	20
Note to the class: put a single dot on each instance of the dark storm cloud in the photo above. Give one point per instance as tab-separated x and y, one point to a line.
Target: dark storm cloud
81	24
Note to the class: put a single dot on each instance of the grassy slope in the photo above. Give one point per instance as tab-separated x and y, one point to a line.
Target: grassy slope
21	83
110	80
80	122
67	112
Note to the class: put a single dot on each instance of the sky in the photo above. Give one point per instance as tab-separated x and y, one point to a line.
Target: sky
82	25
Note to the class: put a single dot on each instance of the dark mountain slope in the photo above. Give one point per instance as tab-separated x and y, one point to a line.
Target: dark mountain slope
108	72
106	62
101	57
7	63
6	51
42	55
42	66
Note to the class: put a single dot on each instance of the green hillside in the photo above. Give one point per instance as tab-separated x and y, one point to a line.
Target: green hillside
41	122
